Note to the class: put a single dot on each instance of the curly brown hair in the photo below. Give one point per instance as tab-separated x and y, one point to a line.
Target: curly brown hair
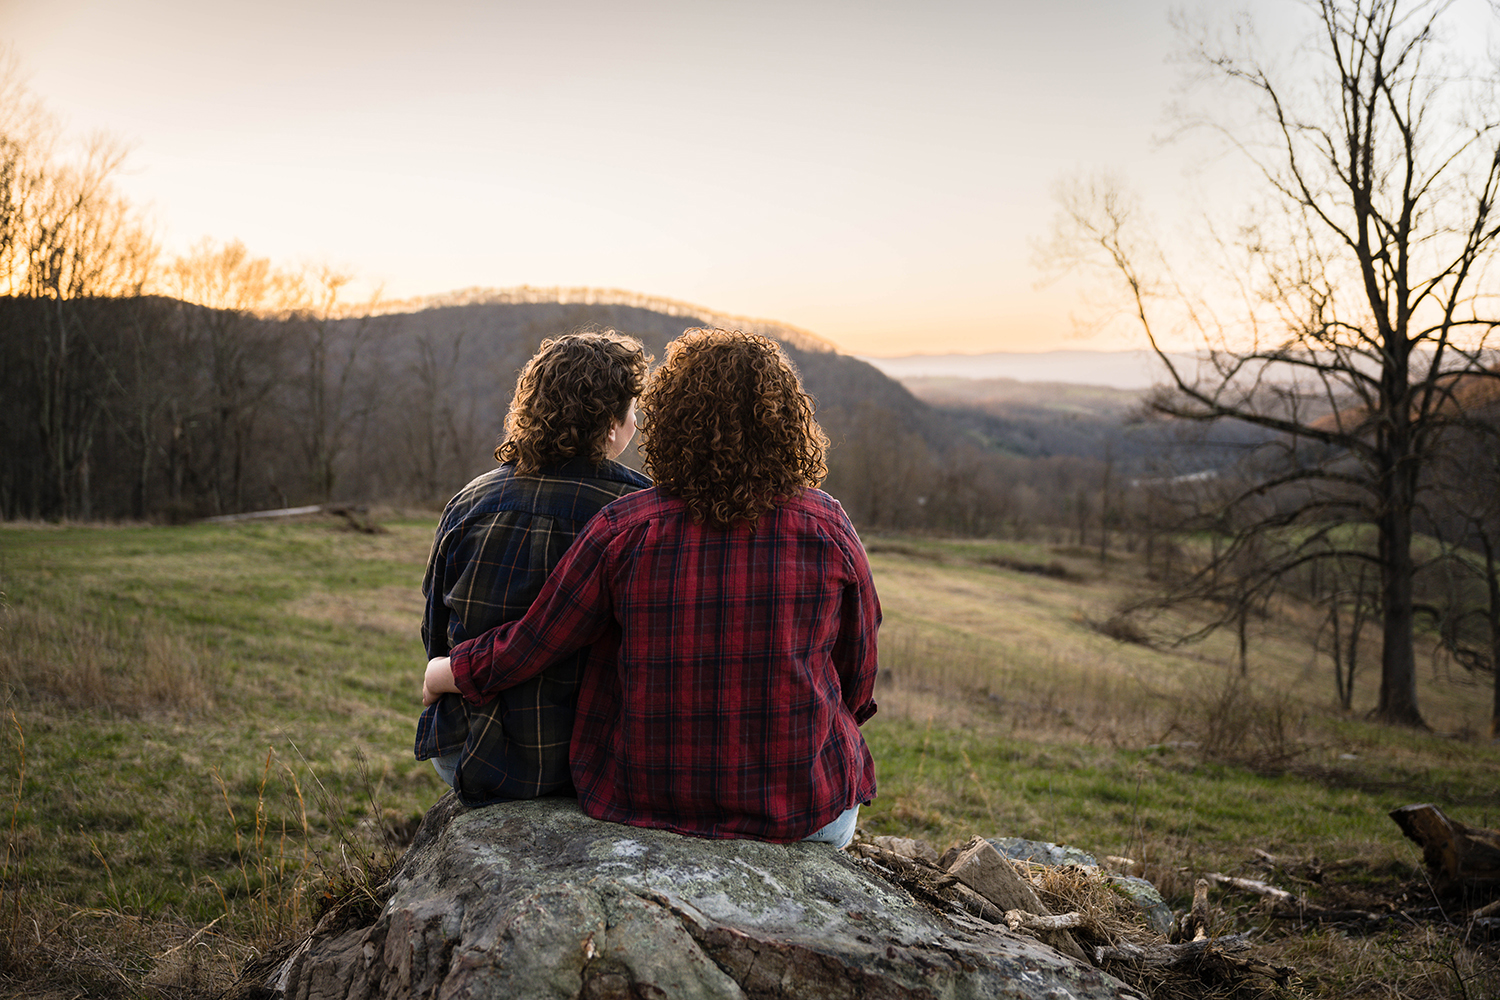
569	395
728	427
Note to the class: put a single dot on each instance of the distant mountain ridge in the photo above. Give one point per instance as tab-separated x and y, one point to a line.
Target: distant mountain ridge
586	296
864	406
1135	369
484	336
1138	369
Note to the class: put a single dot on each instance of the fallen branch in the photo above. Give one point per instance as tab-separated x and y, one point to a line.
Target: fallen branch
259	515
1193	953
356	516
1258	888
1021	920
1170	954
971	901
984	870
1194	923
1286	906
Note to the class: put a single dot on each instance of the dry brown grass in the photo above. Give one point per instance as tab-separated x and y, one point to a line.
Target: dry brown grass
391	610
959	628
1108	917
73	655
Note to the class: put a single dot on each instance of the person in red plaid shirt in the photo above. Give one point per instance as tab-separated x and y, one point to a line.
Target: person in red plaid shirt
738	601
571	416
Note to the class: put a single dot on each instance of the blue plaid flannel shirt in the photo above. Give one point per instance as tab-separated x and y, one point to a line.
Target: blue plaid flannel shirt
497	542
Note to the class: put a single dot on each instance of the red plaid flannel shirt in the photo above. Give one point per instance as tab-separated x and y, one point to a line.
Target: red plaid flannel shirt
745	663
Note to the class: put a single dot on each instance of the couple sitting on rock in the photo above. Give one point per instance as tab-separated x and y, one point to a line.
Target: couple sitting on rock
696	655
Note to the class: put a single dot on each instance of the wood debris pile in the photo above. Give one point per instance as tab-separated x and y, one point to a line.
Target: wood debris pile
1092	922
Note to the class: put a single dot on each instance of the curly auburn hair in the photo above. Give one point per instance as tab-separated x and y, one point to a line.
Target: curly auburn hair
728	427
569	395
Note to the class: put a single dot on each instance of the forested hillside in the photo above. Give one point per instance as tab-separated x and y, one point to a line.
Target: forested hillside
151	407
157	408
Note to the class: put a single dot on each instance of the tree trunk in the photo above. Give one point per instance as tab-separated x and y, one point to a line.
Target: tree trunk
1398	661
1242	625
1492	617
1344	690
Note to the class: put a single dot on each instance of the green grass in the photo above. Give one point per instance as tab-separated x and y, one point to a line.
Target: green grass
211	721
208	725
1163	806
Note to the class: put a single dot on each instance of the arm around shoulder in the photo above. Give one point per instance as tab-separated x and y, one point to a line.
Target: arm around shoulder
855	651
572	611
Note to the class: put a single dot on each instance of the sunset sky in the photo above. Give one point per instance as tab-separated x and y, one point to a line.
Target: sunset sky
874	172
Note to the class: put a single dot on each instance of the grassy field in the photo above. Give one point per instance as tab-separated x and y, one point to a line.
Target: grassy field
208	731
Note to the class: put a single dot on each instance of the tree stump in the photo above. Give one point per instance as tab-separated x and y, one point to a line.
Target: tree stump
1454	853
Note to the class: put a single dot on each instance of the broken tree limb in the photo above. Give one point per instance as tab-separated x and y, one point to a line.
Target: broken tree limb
1280	896
1170	954
974	903
1021	920
1177	955
357	515
907	847
1200	910
1194	925
928	883
1454	853
258	515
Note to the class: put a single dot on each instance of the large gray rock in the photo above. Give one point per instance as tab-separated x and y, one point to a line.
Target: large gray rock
534	899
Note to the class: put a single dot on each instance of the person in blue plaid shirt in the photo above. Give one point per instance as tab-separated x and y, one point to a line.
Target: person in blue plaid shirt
573	413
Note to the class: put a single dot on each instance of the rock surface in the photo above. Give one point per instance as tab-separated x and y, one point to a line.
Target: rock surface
534	899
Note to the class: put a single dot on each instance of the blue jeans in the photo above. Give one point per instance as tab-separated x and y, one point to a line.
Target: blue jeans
447	766
839	832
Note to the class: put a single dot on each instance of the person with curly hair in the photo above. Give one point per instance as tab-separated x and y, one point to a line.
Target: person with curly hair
739	603
572	415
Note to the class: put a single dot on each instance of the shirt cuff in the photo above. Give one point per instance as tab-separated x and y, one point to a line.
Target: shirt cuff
462	666
860	717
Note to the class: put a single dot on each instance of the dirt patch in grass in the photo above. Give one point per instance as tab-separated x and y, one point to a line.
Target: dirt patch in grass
906	550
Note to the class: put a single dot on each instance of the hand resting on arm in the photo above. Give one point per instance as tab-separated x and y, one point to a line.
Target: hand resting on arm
438	680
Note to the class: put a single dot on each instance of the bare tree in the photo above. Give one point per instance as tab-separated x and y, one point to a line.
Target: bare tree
233	304
1363	278
438	427
66	237
334	340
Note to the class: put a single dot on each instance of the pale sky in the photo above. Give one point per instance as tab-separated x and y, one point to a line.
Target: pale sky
871	171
